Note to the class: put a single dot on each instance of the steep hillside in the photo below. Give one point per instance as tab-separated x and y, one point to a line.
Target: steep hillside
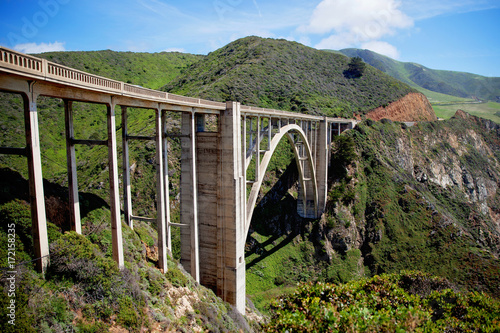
446	82
84	291
288	76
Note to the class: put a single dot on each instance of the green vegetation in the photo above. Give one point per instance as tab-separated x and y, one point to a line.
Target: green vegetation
419	224
288	76
447	91
405	302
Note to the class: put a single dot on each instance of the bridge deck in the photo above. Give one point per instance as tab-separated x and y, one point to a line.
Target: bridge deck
34	68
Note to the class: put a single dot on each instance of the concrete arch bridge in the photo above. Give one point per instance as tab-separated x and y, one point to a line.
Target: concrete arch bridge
215	208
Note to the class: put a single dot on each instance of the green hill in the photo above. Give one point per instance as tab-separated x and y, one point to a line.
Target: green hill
288	76
460	84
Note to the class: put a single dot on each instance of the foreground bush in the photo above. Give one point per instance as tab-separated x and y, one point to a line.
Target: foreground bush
406	302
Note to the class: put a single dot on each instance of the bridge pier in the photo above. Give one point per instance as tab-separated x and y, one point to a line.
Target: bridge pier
189	197
322	161
212	249
231	210
114	194
74	201
162	202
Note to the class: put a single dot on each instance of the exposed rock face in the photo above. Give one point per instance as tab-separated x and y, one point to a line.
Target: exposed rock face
411	190
412	107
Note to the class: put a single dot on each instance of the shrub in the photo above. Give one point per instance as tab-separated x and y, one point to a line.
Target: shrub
175	276
383	303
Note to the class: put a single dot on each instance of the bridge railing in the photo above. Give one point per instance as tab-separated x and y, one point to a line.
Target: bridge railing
15	60
59	72
252	110
20	63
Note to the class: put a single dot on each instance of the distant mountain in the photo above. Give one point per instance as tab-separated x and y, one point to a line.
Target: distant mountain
453	83
289	76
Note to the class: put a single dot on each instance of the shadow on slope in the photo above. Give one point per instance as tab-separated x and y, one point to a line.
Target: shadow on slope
14	186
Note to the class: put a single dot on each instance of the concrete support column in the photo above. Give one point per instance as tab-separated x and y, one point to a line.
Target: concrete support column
37	200
127	195
74	201
164	150
189	197
322	159
231	210
116	225
160	194
257	149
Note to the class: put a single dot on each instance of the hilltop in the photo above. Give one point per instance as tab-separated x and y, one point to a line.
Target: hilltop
287	76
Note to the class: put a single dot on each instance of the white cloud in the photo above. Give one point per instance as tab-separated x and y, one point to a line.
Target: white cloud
175	49
372	18
347	23
382	48
39	48
336	42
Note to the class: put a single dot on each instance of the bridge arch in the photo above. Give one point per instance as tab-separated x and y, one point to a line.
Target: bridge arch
307	172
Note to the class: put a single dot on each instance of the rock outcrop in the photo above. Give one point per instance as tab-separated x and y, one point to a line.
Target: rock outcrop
412	107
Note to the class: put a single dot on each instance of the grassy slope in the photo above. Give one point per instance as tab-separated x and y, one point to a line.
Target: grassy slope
489	110
288	76
83	290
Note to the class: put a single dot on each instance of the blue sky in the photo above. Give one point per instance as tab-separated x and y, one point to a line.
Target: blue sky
461	35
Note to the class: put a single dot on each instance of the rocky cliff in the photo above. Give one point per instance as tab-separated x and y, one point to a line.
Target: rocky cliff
412	107
424	197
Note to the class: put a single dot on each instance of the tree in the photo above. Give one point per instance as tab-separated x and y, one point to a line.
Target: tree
356	67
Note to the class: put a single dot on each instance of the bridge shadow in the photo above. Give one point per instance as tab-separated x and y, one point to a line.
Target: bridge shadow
275	216
14	186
